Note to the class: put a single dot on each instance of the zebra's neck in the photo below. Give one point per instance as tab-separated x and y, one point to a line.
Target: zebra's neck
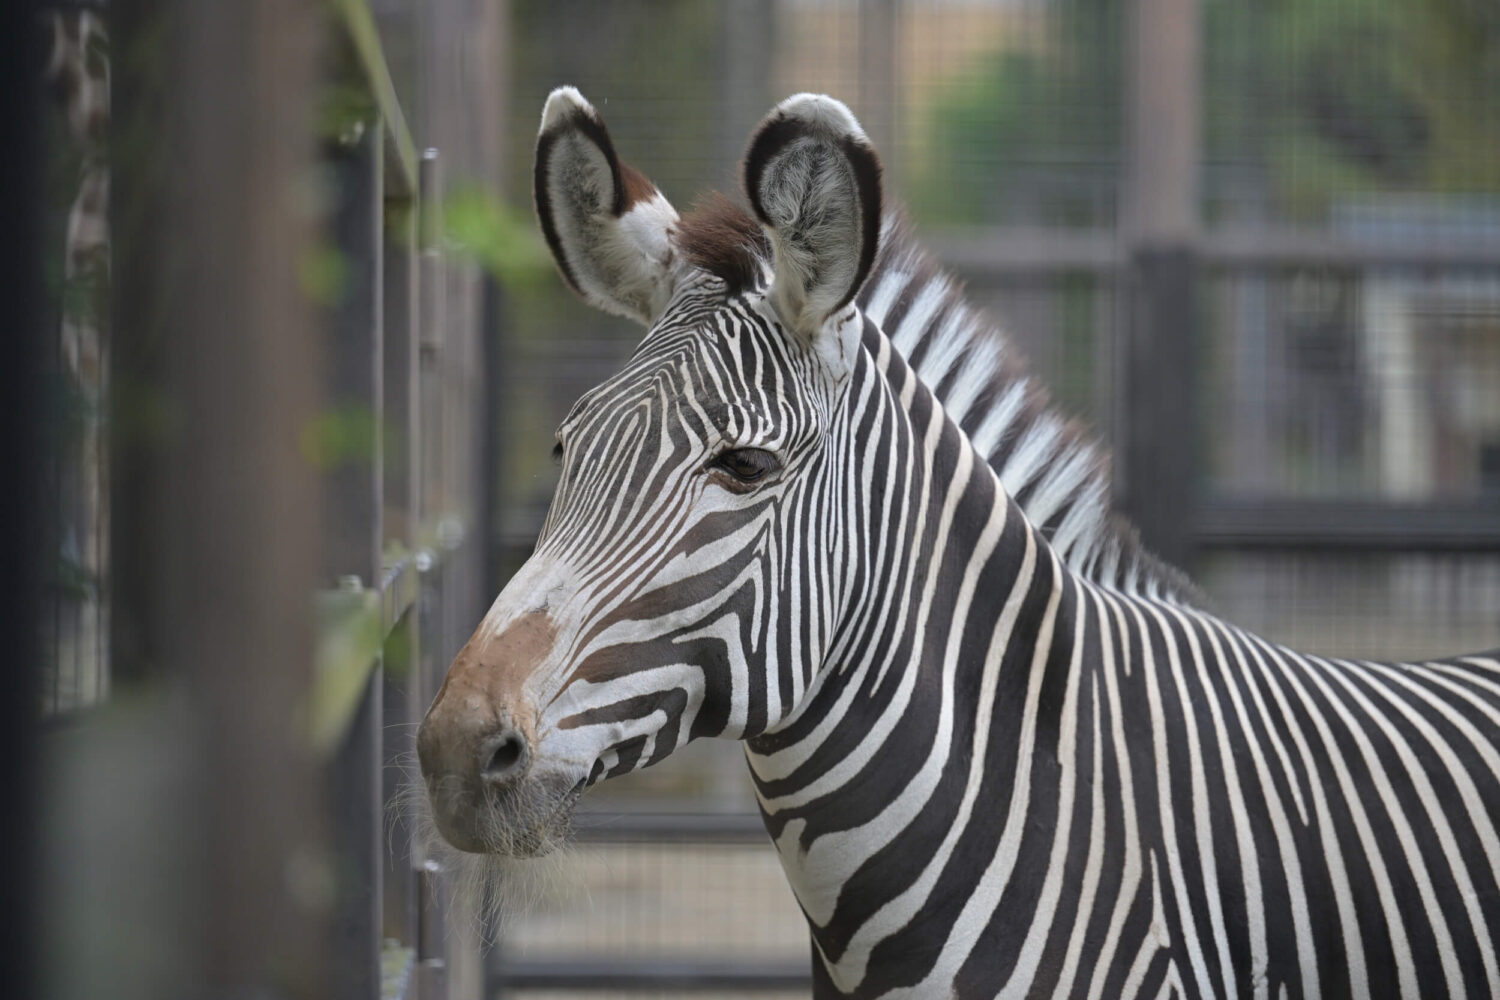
924	720
1046	462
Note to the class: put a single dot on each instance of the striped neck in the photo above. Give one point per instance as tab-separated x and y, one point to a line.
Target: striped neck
950	594
1046	462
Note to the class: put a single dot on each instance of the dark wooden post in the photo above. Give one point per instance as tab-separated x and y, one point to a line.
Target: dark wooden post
23	410
1157	414
216	516
1158	434
355	490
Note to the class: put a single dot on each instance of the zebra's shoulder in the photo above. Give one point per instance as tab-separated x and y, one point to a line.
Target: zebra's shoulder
1048	462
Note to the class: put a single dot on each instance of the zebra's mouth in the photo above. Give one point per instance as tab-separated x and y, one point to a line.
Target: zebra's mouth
529	819
540	837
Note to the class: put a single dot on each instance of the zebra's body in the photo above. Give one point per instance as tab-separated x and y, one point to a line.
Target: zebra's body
1310	831
998	749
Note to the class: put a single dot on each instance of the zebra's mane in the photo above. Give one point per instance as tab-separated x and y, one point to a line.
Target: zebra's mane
1047	462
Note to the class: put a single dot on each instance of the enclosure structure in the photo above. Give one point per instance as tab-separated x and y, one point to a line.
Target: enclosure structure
280	416
1268	273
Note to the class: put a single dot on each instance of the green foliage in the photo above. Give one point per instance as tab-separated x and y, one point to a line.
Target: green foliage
1033	134
349	642
345	109
1038	115
340	437
1356	96
1303	101
323	274
498	237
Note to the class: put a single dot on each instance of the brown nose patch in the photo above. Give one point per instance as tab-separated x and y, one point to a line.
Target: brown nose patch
485	682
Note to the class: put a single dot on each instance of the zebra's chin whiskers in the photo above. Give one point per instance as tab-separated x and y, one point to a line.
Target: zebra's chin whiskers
528	860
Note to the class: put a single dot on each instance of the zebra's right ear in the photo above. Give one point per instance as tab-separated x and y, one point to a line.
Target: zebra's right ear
813	180
608	227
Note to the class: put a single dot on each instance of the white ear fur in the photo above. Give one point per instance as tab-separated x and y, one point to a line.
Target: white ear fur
813	180
608	227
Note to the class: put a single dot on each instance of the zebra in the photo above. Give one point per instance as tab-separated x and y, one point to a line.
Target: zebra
999	748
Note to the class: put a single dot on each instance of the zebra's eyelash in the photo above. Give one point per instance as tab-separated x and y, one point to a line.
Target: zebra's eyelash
557	453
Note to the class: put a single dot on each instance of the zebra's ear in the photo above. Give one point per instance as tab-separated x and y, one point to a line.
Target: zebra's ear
609	228
813	180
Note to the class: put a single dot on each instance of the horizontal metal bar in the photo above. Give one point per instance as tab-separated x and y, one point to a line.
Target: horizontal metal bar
365	37
397	965
634	827
1339	524
350	633
398	592
1013	251
1009	250
617	975
1284	247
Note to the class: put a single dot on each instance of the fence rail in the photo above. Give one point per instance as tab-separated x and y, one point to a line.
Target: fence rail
1017	252
613	975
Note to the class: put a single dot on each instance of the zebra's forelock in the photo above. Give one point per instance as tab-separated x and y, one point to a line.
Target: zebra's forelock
1048	463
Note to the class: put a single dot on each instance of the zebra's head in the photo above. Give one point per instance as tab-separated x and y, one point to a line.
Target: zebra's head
689	575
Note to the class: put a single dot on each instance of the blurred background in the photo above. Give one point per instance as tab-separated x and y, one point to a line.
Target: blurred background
289	356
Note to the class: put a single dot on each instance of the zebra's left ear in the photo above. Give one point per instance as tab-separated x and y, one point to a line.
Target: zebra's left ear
813	180
608	227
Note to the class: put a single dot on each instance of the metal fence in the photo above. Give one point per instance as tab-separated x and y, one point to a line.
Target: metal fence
267	477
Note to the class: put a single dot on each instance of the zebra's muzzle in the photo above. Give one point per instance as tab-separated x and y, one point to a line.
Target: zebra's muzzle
526	818
469	775
477	745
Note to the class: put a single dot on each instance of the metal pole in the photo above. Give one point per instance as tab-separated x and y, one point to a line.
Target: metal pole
1157	411
1159	203
22	454
354	511
879	69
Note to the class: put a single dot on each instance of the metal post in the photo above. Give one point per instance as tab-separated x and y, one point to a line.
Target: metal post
400	410
879	65
746	38
402	524
1159	203
1158	438
1157	410
353	406
355	491
22	421
355	792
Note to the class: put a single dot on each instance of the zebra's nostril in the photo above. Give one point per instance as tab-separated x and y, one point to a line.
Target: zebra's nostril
508	758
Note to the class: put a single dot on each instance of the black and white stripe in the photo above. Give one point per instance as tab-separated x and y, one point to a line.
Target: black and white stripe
999	749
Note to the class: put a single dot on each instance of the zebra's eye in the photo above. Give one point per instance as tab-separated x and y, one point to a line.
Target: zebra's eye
746	465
